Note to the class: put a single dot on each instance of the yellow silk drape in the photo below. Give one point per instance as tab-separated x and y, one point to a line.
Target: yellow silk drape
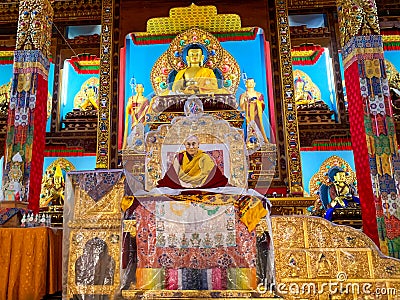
30	262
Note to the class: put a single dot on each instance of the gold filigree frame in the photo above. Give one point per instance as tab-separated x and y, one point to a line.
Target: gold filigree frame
78	239
91	219
204	128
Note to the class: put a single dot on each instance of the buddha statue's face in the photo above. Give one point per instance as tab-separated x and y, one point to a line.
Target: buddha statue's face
192	145
139	89
194	57
250	83
340	177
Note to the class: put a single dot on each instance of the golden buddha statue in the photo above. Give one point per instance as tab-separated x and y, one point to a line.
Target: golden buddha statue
252	102
137	108
195	79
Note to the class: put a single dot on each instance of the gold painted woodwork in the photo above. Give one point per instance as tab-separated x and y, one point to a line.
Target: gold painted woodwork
232	116
92	219
191	294
35	26
291	128
310	4
103	153
291	205
357	17
204	17
63	10
312	250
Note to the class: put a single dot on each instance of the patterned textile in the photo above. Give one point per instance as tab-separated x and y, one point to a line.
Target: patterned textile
393	227
362	159
26	126
7	213
193	225
196	279
251	209
39	139
243	255
96	183
30	262
370	99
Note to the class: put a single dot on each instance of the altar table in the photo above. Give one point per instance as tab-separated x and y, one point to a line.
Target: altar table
30	262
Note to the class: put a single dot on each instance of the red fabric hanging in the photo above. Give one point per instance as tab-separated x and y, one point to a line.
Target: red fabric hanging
361	160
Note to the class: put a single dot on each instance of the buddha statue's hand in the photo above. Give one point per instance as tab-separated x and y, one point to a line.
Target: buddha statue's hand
191	89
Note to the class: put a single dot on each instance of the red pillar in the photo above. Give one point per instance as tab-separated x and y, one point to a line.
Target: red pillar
26	128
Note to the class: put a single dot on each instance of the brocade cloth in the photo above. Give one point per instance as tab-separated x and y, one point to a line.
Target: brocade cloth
150	255
30	262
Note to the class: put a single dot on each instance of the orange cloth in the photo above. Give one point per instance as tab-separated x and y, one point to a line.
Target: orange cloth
30	262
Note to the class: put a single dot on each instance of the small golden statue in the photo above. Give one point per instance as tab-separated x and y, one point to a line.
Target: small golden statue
137	108
53	187
252	102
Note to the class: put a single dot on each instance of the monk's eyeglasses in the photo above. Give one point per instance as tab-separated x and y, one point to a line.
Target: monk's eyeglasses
191	145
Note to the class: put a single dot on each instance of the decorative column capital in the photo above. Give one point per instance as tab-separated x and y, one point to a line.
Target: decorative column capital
357	17
362	48
34	26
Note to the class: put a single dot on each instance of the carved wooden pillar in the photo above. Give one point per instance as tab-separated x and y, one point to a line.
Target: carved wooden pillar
290	132
371	123
104	130
26	129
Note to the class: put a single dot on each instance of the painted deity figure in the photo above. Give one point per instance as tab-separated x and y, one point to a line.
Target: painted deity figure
195	79
90	100
136	109
193	168
252	102
340	193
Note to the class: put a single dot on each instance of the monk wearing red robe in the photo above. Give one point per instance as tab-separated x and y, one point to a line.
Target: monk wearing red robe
193	168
